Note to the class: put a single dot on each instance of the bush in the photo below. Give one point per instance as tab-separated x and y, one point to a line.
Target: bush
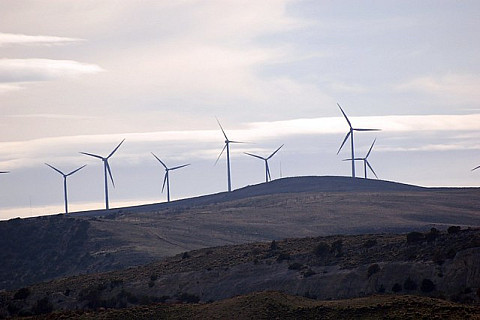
273	246
188	298
309	273
21	294
283	256
381	289
374	268
321	249
454	229
409	284
153	277
337	248
185	255
432	235
427	285
295	266
397	287
415	236
370	243
42	306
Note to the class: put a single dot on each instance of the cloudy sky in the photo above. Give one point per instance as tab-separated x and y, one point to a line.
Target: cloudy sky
83	75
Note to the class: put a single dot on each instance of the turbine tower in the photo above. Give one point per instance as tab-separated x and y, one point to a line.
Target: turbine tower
227	146
267	169
166	179
65	182
106	168
365	161
350	134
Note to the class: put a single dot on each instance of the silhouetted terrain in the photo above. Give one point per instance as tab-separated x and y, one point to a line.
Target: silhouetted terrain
44	248
442	265
275	305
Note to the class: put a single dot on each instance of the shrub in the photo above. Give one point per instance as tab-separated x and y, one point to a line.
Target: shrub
451	253
21	294
432	235
295	266
185	255
153	277
337	247
42	306
397	287
151	284
321	249
415	236
454	229
409	284
374	268
370	243
273	246
427	285
188	298
309	273
381	289
283	256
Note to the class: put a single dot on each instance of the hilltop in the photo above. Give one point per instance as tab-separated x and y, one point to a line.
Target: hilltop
49	247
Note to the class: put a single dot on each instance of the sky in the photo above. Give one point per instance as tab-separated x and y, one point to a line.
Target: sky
80	76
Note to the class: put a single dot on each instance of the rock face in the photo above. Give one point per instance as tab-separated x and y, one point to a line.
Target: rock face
442	265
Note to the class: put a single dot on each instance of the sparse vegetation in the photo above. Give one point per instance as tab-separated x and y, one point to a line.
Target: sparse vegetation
22	294
409	284
397	287
427	286
321	249
374	268
370	243
413	237
454	229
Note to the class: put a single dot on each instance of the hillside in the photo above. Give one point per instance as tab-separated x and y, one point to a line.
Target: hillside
432	264
275	305
44	248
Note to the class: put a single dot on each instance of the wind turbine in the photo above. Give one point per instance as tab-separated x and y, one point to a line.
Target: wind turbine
365	161
267	169
106	167
166	179
65	182
350	134
227	146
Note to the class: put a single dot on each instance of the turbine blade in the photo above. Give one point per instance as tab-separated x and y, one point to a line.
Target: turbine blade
235	141
4	171
475	168
92	155
274	152
110	173
163	164
114	150
55	169
76	170
346	118
178	167
268	173
370	150
164	181
358	129
356	159
344	140
225	146
225	135
254	155
368	164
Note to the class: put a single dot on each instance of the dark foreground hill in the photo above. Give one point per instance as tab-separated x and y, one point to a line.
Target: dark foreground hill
275	305
44	248
441	265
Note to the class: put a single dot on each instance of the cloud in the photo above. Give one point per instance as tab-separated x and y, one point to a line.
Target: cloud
455	86
22	39
28	70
